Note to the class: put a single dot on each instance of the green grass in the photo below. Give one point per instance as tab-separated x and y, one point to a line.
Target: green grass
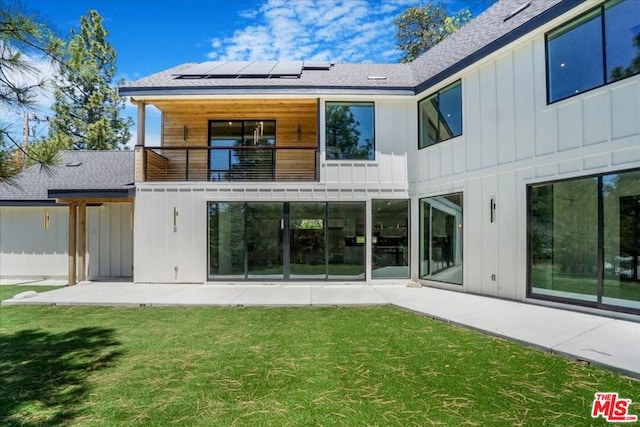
280	367
8	291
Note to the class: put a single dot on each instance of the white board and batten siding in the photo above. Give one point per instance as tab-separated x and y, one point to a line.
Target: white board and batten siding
28	250
512	138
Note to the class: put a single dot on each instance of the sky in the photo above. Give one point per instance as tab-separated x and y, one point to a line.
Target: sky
153	35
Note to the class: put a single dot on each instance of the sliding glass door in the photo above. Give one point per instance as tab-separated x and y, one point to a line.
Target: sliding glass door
286	241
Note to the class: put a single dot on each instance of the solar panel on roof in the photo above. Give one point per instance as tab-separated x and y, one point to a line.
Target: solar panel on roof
316	65
258	68
202	69
231	68
287	68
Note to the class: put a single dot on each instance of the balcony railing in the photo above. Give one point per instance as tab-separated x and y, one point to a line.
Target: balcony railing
246	163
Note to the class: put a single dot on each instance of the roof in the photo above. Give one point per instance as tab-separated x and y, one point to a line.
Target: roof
89	172
499	25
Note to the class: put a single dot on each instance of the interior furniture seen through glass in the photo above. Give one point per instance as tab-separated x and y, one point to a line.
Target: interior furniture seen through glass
441	238
390	239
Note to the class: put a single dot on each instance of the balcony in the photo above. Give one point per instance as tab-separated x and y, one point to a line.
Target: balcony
224	164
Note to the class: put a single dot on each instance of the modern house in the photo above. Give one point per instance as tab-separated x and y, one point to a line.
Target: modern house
505	161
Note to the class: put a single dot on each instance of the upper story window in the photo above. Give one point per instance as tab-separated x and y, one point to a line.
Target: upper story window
349	130
440	116
596	48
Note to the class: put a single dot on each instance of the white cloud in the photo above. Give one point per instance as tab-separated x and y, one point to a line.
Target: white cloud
335	30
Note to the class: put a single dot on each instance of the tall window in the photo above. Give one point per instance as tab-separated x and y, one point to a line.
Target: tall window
236	153
584	240
440	116
599	47
441	238
390	240
349	130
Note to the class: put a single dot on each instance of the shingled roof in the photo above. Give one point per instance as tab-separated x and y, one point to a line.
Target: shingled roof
89	172
499	25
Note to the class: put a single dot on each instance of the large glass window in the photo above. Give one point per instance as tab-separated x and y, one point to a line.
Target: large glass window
390	240
281	241
345	240
236	152
587	52
584	240
349	130
440	116
226	240
441	238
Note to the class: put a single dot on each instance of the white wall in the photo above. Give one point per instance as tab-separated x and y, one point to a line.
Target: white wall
28	250
512	138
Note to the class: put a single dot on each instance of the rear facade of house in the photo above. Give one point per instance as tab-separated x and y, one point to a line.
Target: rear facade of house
505	162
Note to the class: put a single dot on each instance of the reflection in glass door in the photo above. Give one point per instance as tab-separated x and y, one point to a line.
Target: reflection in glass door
307	241
264	235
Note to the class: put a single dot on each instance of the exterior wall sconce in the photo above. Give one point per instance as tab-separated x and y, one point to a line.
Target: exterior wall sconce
492	210
46	220
175	219
299	132
185	132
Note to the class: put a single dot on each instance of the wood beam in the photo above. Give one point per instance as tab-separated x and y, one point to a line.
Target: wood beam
96	201
72	243
82	251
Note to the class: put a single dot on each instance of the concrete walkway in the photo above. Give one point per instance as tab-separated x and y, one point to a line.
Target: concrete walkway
604	341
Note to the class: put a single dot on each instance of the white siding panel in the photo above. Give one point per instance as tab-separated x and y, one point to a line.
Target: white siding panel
546	132
596	161
524	102
472	121
434	162
459	155
570	126
507	214
446	160
597	119
627	155
625	110
505	109
488	115
489	236
472	258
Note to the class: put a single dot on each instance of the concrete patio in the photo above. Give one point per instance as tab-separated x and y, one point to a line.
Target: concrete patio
604	341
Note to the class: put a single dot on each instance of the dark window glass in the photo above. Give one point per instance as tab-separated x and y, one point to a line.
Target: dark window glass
564	239
307	240
441	238
390	240
622	34
621	205
243	160
575	57
346	240
440	116
581	56
226	240
265	238
349	131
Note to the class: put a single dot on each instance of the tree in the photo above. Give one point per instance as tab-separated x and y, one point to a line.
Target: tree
87	106
343	135
21	36
419	28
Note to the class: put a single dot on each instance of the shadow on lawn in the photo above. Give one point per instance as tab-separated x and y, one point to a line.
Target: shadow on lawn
43	375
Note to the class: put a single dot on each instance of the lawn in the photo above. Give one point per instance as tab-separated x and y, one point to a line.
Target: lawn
280	366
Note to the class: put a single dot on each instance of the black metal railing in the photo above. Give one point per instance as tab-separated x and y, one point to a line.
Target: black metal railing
245	163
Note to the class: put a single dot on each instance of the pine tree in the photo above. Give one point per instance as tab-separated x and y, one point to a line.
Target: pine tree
22	38
87	106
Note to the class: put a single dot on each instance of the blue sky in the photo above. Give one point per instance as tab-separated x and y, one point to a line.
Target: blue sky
153	35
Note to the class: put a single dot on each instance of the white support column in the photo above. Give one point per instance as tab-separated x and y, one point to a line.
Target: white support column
142	114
